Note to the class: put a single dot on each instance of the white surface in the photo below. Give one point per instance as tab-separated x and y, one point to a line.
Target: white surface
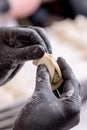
75	58
21	86
6	21
83	122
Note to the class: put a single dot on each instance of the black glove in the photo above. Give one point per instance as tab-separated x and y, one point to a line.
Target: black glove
45	111
4	6
18	45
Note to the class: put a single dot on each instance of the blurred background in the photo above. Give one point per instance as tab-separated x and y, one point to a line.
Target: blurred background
65	22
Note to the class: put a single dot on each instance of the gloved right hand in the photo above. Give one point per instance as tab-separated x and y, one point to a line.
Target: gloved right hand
44	110
17	45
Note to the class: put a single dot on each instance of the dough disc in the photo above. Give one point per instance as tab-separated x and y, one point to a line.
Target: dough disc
53	68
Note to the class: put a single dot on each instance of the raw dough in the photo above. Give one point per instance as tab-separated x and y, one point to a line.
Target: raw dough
53	68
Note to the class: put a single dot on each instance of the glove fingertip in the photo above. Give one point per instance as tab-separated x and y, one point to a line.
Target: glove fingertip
60	62
42	73
42	78
42	70
38	51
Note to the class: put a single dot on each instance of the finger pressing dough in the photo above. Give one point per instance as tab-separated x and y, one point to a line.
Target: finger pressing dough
53	68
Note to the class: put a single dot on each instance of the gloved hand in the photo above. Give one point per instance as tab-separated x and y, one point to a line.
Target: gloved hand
4	6
44	110
17	45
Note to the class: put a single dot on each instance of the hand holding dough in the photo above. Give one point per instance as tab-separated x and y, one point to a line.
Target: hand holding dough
53	68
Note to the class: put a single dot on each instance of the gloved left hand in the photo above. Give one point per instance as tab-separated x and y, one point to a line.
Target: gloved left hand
44	110
17	45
